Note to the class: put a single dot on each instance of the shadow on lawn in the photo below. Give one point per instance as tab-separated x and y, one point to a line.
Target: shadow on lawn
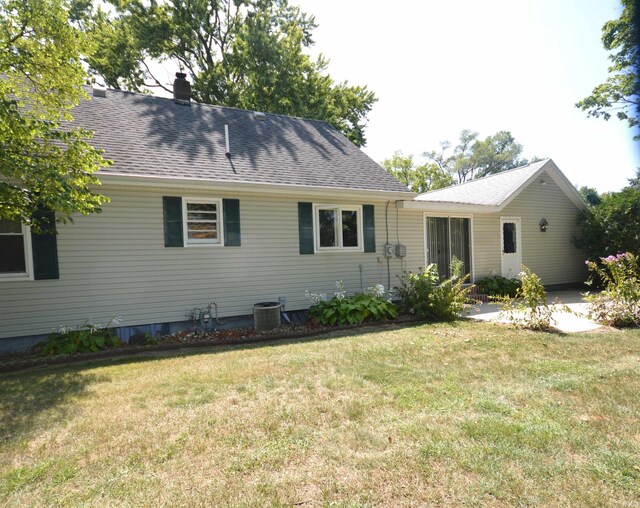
31	399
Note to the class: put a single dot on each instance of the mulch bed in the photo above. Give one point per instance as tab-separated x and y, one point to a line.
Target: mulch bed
190	339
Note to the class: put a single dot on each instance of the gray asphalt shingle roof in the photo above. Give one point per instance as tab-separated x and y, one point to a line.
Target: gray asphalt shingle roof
154	136
490	191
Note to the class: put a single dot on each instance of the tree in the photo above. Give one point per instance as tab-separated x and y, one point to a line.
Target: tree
590	195
635	181
422	178
474	158
611	227
241	53
619	95
41	164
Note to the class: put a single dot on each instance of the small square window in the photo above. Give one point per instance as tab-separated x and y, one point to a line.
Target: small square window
202	222
338	227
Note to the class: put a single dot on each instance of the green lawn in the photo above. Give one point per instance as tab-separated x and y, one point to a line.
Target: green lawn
462	414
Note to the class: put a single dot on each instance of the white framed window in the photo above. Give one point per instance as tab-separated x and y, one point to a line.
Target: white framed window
337	227
16	259
202	221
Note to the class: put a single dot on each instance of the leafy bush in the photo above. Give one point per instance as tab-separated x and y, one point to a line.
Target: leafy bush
619	303
341	309
87	338
612	225
424	295
497	285
529	308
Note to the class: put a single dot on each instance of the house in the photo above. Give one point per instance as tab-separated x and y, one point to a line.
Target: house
497	223
208	204
215	204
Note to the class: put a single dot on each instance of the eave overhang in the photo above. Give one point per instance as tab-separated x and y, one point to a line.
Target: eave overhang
123	179
441	206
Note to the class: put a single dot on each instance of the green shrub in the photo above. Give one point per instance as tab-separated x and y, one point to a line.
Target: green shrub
426	296
619	303
529	308
497	285
612	225
87	338
371	305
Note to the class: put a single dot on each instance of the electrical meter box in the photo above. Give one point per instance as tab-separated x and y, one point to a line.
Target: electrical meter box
401	250
389	250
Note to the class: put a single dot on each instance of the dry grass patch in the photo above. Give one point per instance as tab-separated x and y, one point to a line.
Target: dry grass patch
452	414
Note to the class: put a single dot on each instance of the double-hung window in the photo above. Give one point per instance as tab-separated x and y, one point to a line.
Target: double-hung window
15	251
202	221
338	227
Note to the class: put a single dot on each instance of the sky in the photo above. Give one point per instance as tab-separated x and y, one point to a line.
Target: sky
438	67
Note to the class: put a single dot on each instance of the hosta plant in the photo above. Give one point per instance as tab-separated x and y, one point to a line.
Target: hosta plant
370	305
86	338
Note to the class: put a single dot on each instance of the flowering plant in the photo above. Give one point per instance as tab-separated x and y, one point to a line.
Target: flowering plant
341	309
619	302
89	337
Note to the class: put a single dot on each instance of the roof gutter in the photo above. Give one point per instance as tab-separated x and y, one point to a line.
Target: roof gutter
123	179
445	206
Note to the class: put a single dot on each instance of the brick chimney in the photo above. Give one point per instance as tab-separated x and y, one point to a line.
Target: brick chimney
181	89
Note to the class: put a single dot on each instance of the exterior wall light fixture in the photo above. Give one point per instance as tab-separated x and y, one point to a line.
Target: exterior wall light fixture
544	224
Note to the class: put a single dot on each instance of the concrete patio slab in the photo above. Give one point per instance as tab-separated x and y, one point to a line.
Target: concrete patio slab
565	322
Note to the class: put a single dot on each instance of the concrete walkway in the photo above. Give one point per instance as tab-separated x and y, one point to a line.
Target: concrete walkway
565	322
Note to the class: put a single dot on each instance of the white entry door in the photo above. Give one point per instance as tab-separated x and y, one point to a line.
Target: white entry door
511	246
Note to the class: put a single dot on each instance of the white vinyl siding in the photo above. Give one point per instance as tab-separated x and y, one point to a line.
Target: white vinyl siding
111	265
551	254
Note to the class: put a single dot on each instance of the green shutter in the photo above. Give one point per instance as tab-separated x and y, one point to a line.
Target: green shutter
231	216
45	247
369	227
305	227
172	208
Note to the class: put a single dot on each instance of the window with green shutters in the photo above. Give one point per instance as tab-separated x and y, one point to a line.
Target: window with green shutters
26	255
199	221
336	228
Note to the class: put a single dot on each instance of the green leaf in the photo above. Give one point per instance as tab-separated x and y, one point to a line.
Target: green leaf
254	57
41	165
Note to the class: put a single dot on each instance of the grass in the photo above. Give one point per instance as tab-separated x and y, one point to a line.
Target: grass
452	414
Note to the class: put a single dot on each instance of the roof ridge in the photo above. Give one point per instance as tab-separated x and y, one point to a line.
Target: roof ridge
219	106
149	135
483	178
